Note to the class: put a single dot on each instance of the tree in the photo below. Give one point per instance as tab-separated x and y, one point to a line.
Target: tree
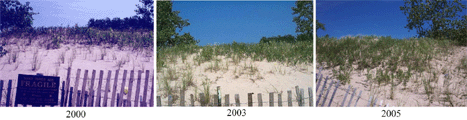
442	18
304	20
14	14
147	13
287	38
167	23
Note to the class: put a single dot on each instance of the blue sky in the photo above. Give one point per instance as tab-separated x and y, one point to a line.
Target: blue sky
70	12
381	18
223	22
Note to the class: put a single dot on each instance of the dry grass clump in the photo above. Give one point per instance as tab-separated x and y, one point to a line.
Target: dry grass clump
36	60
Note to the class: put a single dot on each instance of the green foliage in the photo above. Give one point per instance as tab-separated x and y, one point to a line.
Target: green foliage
2	51
442	17
370	52
15	15
167	22
288	53
287	38
304	20
136	38
366	52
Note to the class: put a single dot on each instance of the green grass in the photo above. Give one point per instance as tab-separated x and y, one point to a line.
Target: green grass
389	54
55	36
287	53
463	64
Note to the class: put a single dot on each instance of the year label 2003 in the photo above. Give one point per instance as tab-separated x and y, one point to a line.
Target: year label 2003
236	112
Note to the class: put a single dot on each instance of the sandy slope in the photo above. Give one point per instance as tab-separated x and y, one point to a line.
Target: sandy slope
86	58
233	79
449	79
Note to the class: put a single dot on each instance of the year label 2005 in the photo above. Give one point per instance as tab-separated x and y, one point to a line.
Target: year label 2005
391	113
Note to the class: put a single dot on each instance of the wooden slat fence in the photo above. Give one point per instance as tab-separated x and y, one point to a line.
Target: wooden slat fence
85	94
326	89
216	99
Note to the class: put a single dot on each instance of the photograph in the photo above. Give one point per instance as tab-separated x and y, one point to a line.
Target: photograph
234	53
77	53
409	53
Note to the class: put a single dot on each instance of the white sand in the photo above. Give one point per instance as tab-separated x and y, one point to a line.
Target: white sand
272	77
86	58
414	95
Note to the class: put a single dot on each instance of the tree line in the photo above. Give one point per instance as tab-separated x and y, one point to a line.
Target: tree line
142	20
19	17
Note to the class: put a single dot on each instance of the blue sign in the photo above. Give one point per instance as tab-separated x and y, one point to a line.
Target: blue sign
37	90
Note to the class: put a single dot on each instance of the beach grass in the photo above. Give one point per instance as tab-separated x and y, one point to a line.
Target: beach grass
388	54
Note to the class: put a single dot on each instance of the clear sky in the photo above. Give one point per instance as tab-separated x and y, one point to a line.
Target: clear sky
381	18
70	12
242	21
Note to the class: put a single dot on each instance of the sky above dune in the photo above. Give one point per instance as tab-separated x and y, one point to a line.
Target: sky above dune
381	18
242	21
71	12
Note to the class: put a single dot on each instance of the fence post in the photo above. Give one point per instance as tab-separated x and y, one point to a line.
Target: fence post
146	82
130	87
122	88
158	101
118	99
98	98
219	96
170	99
302	97
62	97
82	99
182	97
112	102
369	101
78	99
358	98
279	99
298	97
8	94
322	91
215	100
91	89
319	82
75	98
106	91
351	97
138	84
192	100
250	99
71	97
333	93
202	99
67	87
271	99
327	93
227	102
237	100
374	102
151	100
345	96
1	90
260	100
289	98
310	97
85	98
